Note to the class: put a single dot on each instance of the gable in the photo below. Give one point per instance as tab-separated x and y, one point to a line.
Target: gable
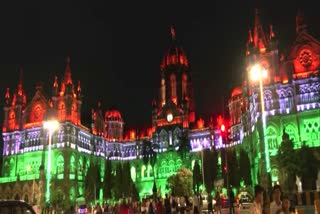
305	53
36	109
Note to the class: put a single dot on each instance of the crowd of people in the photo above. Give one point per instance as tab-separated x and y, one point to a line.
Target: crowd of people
280	204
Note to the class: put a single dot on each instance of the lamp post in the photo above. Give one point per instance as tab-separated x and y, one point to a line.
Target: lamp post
51	126
258	73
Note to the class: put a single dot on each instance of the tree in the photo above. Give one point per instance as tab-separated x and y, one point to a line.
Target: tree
288	161
210	168
233	168
180	184
196	174
308	166
244	165
149	155
117	182
107	180
184	145
92	183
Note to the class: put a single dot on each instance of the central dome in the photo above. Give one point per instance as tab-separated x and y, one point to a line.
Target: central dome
113	115
175	54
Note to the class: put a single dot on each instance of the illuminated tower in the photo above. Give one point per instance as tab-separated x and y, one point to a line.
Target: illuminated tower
67	99
114	125
176	104
13	109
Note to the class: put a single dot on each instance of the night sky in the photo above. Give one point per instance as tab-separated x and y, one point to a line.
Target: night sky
116	50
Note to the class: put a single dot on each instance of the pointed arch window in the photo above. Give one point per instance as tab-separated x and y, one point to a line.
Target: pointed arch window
62	111
173	86
184	85
60	167
163	92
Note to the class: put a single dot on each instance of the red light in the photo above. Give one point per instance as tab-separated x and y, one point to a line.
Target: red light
222	128
225	168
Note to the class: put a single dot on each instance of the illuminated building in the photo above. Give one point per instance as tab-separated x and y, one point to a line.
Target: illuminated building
25	153
291	97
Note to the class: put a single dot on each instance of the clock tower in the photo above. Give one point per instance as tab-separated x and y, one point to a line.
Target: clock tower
175	106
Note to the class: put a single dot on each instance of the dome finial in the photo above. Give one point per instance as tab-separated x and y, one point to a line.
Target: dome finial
173	34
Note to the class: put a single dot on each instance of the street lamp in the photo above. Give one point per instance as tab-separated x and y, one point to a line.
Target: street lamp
51	126
258	73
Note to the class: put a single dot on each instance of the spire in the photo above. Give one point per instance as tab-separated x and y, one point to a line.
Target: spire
7	95
272	35
173	34
79	90
79	87
300	22
20	89
67	74
250	40
259	35
55	83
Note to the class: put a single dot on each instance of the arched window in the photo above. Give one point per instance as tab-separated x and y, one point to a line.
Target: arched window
133	174
60	167
62	111
171	167
271	138
292	132
72	165
164	169
163	91
184	85
173	86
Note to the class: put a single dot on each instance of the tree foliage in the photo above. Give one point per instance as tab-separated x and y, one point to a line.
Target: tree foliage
233	168
122	185
210	168
184	146
107	180
196	174
301	162
149	154
244	165
180	184
92	183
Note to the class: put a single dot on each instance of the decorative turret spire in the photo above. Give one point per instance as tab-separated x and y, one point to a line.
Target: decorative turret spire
67	74
250	40
173	34
300	22
272	35
20	89
7	97
55	83
79	90
259	35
